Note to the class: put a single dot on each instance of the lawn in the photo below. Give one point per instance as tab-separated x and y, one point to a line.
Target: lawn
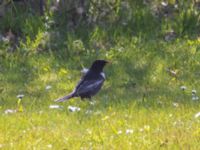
150	99
154	112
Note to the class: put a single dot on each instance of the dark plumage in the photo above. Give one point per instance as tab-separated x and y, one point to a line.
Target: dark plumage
90	83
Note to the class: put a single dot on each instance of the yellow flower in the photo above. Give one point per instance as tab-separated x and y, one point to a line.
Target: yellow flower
105	118
147	128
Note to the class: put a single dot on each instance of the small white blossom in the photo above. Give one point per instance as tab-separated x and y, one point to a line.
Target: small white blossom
47	17
48	87
197	115
146	127
55	106
194	91
141	129
92	102
175	104
73	108
119	132
183	88
20	96
49	146
164	4
195	98
89	131
4	39
176	6
10	111
129	131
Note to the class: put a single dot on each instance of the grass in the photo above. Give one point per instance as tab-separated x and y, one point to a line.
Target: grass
155	127
157	113
141	105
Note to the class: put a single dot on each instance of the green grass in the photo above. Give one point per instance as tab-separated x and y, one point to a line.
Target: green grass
149	109
153	127
140	106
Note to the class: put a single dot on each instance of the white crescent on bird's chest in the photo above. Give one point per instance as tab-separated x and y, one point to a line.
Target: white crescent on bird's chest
103	75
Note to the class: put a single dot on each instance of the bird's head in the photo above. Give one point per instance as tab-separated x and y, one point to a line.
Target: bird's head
98	65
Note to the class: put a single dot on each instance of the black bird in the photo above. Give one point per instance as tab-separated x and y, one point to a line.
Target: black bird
90	83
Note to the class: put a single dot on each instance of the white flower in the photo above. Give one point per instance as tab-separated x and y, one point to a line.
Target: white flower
4	39
119	132
55	106
175	104
20	96
48	87
46	17
146	127
89	131
194	91
183	87
73	108
197	115
92	102
195	98
176	6
129	131
10	111
141	129
164	4
49	146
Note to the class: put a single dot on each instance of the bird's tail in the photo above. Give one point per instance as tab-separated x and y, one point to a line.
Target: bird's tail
65	98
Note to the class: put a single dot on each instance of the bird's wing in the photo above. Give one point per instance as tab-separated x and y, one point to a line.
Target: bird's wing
88	86
80	82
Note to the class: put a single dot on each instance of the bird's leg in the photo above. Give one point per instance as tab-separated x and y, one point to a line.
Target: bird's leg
82	98
92	101
90	98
